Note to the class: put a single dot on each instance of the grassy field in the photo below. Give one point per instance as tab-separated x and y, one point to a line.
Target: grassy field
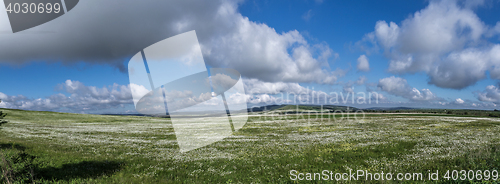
75	148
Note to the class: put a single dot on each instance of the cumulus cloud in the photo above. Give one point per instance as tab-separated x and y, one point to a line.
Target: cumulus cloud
222	82
459	101
378	96
399	87
363	64
386	34
260	92
254	86
257	51
81	98
78	98
266	99
98	32
293	93
348	87
446	40
496	29
361	80
490	94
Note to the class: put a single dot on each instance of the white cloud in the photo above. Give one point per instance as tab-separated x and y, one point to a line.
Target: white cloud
490	94
464	68
361	80
378	96
254	86
3	96
258	51
348	89
222	82
459	101
228	39
399	87
441	27
293	93
496	29
238	98
473	3
81	99
363	64
446	40
387	34
265	99
138	91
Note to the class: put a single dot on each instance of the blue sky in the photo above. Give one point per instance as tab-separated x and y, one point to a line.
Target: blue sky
65	61
342	23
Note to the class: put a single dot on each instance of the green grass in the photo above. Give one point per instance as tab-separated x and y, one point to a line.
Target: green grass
318	108
456	112
76	148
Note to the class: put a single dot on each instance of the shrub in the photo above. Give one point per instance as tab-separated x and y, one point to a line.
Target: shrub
2	115
17	167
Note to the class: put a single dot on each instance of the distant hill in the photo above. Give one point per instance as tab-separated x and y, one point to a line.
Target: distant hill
331	108
291	109
390	108
265	108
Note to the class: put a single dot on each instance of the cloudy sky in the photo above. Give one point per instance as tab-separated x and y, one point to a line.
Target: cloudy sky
429	54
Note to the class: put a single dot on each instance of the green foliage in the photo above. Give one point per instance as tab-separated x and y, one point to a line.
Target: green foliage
76	148
447	112
331	108
2	115
17	166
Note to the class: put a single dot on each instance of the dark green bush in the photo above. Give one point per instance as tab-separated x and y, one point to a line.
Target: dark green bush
17	166
2	115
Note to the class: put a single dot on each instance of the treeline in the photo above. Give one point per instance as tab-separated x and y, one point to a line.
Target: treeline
459	112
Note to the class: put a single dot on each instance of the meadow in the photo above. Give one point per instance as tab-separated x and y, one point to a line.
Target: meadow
49	147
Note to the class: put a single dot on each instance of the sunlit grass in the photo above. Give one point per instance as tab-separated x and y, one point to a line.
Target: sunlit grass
75	148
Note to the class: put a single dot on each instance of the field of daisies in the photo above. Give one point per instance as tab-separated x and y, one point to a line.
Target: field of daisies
48	147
